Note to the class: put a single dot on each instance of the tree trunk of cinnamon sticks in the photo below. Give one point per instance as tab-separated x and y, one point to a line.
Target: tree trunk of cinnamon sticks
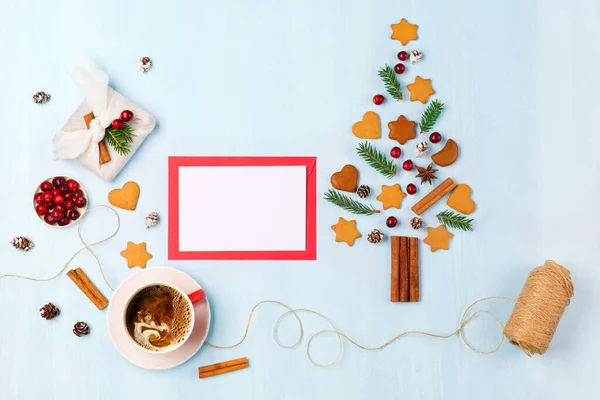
404	269
104	155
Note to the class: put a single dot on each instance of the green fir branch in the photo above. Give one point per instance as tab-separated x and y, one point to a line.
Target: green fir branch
348	204
390	81
120	139
430	115
376	159
454	220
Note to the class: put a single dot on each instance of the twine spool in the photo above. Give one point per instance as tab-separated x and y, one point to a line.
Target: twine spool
539	308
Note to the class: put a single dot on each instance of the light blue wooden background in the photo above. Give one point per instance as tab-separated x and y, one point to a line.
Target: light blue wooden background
289	78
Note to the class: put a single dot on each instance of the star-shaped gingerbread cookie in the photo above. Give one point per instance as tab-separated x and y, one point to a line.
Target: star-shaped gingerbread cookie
404	31
345	231
420	89
437	238
402	129
391	196
136	255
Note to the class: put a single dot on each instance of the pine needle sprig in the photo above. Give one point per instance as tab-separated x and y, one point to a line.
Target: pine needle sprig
376	159
120	139
430	115
349	204
390	81
454	220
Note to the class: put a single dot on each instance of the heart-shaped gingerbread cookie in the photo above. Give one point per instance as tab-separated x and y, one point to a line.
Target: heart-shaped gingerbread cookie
460	199
126	197
346	179
369	127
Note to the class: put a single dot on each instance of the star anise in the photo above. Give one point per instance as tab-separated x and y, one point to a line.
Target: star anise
426	174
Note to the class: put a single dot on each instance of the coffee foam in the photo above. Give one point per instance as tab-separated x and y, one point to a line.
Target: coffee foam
165	304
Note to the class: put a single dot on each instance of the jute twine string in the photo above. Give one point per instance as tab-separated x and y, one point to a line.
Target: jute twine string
531	326
86	246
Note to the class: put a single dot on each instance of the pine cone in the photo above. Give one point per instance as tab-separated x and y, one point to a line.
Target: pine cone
81	329
145	64
363	191
49	311
41	97
22	243
422	148
416	223
376	236
151	219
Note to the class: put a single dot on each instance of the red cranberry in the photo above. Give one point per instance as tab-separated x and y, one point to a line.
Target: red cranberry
78	193
411	188
403	56
80	202
55	192
391	222
126	115
399	68
50	205
73	215
58	181
117	124
69	204
46	186
63	221
407	165
378	99
72	185
59	199
48	219
38	198
68	196
60	208
41	209
47	197
435	137
64	189
395	152
57	214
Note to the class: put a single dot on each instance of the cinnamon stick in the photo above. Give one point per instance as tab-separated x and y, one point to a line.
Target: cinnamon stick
404	269
222	368
413	269
104	154
395	278
88	288
434	196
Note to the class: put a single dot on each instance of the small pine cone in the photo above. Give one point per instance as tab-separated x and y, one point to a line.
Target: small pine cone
81	329
376	236
22	243
416	223
145	64
49	311
151	219
363	191
422	148
41	97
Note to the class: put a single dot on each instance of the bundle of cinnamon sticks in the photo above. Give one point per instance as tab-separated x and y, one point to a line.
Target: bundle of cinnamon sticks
222	367
405	269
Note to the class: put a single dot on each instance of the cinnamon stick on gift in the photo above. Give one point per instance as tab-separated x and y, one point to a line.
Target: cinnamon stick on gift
88	288
104	155
395	278
222	367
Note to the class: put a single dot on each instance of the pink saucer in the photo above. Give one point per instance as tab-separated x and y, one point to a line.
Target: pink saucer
119	336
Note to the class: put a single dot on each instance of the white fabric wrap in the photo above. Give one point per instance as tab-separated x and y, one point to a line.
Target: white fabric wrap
74	141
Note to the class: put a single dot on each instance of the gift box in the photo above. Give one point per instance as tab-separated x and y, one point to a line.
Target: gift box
88	135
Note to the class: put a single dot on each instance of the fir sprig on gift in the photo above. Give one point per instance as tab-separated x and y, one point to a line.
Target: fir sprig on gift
348	204
454	220
120	139
390	81
376	159
431	115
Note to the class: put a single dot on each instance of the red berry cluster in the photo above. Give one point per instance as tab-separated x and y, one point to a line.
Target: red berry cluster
58	201
126	116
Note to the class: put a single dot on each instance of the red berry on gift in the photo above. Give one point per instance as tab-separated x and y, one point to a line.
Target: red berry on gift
407	165
378	99
391	222
69	204
57	214
435	137
78	193
50	205
399	68
117	124
411	188
59	199
58	181
80	202
48	219
38	198
126	115
395	152
73	215
41	209
55	192
63	221
403	56
63	189
47	197
46	186
72	185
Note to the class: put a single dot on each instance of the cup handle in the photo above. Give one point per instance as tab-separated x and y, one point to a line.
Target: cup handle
197	296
